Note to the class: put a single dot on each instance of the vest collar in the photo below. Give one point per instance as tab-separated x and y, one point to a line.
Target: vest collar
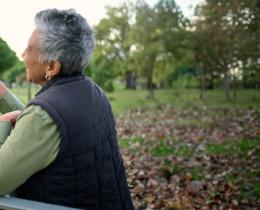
59	81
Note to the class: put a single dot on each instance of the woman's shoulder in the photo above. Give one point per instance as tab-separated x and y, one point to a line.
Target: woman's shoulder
35	111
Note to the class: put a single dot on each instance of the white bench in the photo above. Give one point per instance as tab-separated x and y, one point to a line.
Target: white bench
11	203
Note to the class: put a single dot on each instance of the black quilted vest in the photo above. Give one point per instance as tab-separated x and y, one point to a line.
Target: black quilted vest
88	172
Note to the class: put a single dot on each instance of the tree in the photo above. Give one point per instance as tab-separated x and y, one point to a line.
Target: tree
12	74
114	43
140	41
248	33
158	37
8	57
225	39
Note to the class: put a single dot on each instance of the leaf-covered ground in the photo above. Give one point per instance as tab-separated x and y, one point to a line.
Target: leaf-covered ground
198	158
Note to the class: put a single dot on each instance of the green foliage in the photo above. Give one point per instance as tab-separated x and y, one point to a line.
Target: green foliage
101	72
7	56
124	44
113	34
103	77
157	51
11	74
158	45
225	42
88	70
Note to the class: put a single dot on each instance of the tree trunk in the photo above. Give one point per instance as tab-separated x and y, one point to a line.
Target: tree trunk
128	80
150	85
202	81
131	78
134	81
227	86
234	86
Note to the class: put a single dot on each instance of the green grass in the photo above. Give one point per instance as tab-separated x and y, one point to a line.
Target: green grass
241	148
127	142
257	189
196	173
169	170
247	191
184	151
244	146
124	100
218	149
177	169
163	150
232	177
22	91
193	122
211	196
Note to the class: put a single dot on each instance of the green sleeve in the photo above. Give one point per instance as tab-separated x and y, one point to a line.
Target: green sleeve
5	129
32	145
9	102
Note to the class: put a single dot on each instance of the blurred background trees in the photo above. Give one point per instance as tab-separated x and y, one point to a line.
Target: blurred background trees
225	43
7	57
141	46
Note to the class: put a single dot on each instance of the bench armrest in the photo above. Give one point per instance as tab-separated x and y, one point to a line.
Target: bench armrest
11	203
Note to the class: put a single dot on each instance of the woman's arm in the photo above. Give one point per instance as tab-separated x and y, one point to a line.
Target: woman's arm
2	89
8	101
32	145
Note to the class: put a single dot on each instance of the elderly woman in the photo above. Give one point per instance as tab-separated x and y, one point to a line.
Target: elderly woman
63	148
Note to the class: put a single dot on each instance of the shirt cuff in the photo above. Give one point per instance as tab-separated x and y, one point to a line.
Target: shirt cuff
5	129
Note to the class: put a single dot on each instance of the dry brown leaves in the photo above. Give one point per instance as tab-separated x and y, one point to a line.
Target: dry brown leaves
188	177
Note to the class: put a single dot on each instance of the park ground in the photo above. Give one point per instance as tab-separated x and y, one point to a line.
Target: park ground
183	153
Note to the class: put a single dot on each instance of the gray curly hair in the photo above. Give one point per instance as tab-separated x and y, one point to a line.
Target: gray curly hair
65	36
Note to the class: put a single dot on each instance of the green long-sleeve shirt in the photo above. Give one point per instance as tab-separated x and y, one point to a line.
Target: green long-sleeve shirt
27	148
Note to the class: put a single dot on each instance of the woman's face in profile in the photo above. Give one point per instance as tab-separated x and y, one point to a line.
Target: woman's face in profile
36	70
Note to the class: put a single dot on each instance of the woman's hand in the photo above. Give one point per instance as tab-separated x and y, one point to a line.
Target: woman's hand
3	89
10	117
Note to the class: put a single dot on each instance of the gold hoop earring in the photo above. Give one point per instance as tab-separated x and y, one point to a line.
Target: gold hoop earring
47	77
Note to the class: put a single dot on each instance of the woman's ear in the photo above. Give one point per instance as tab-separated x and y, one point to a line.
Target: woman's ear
53	69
